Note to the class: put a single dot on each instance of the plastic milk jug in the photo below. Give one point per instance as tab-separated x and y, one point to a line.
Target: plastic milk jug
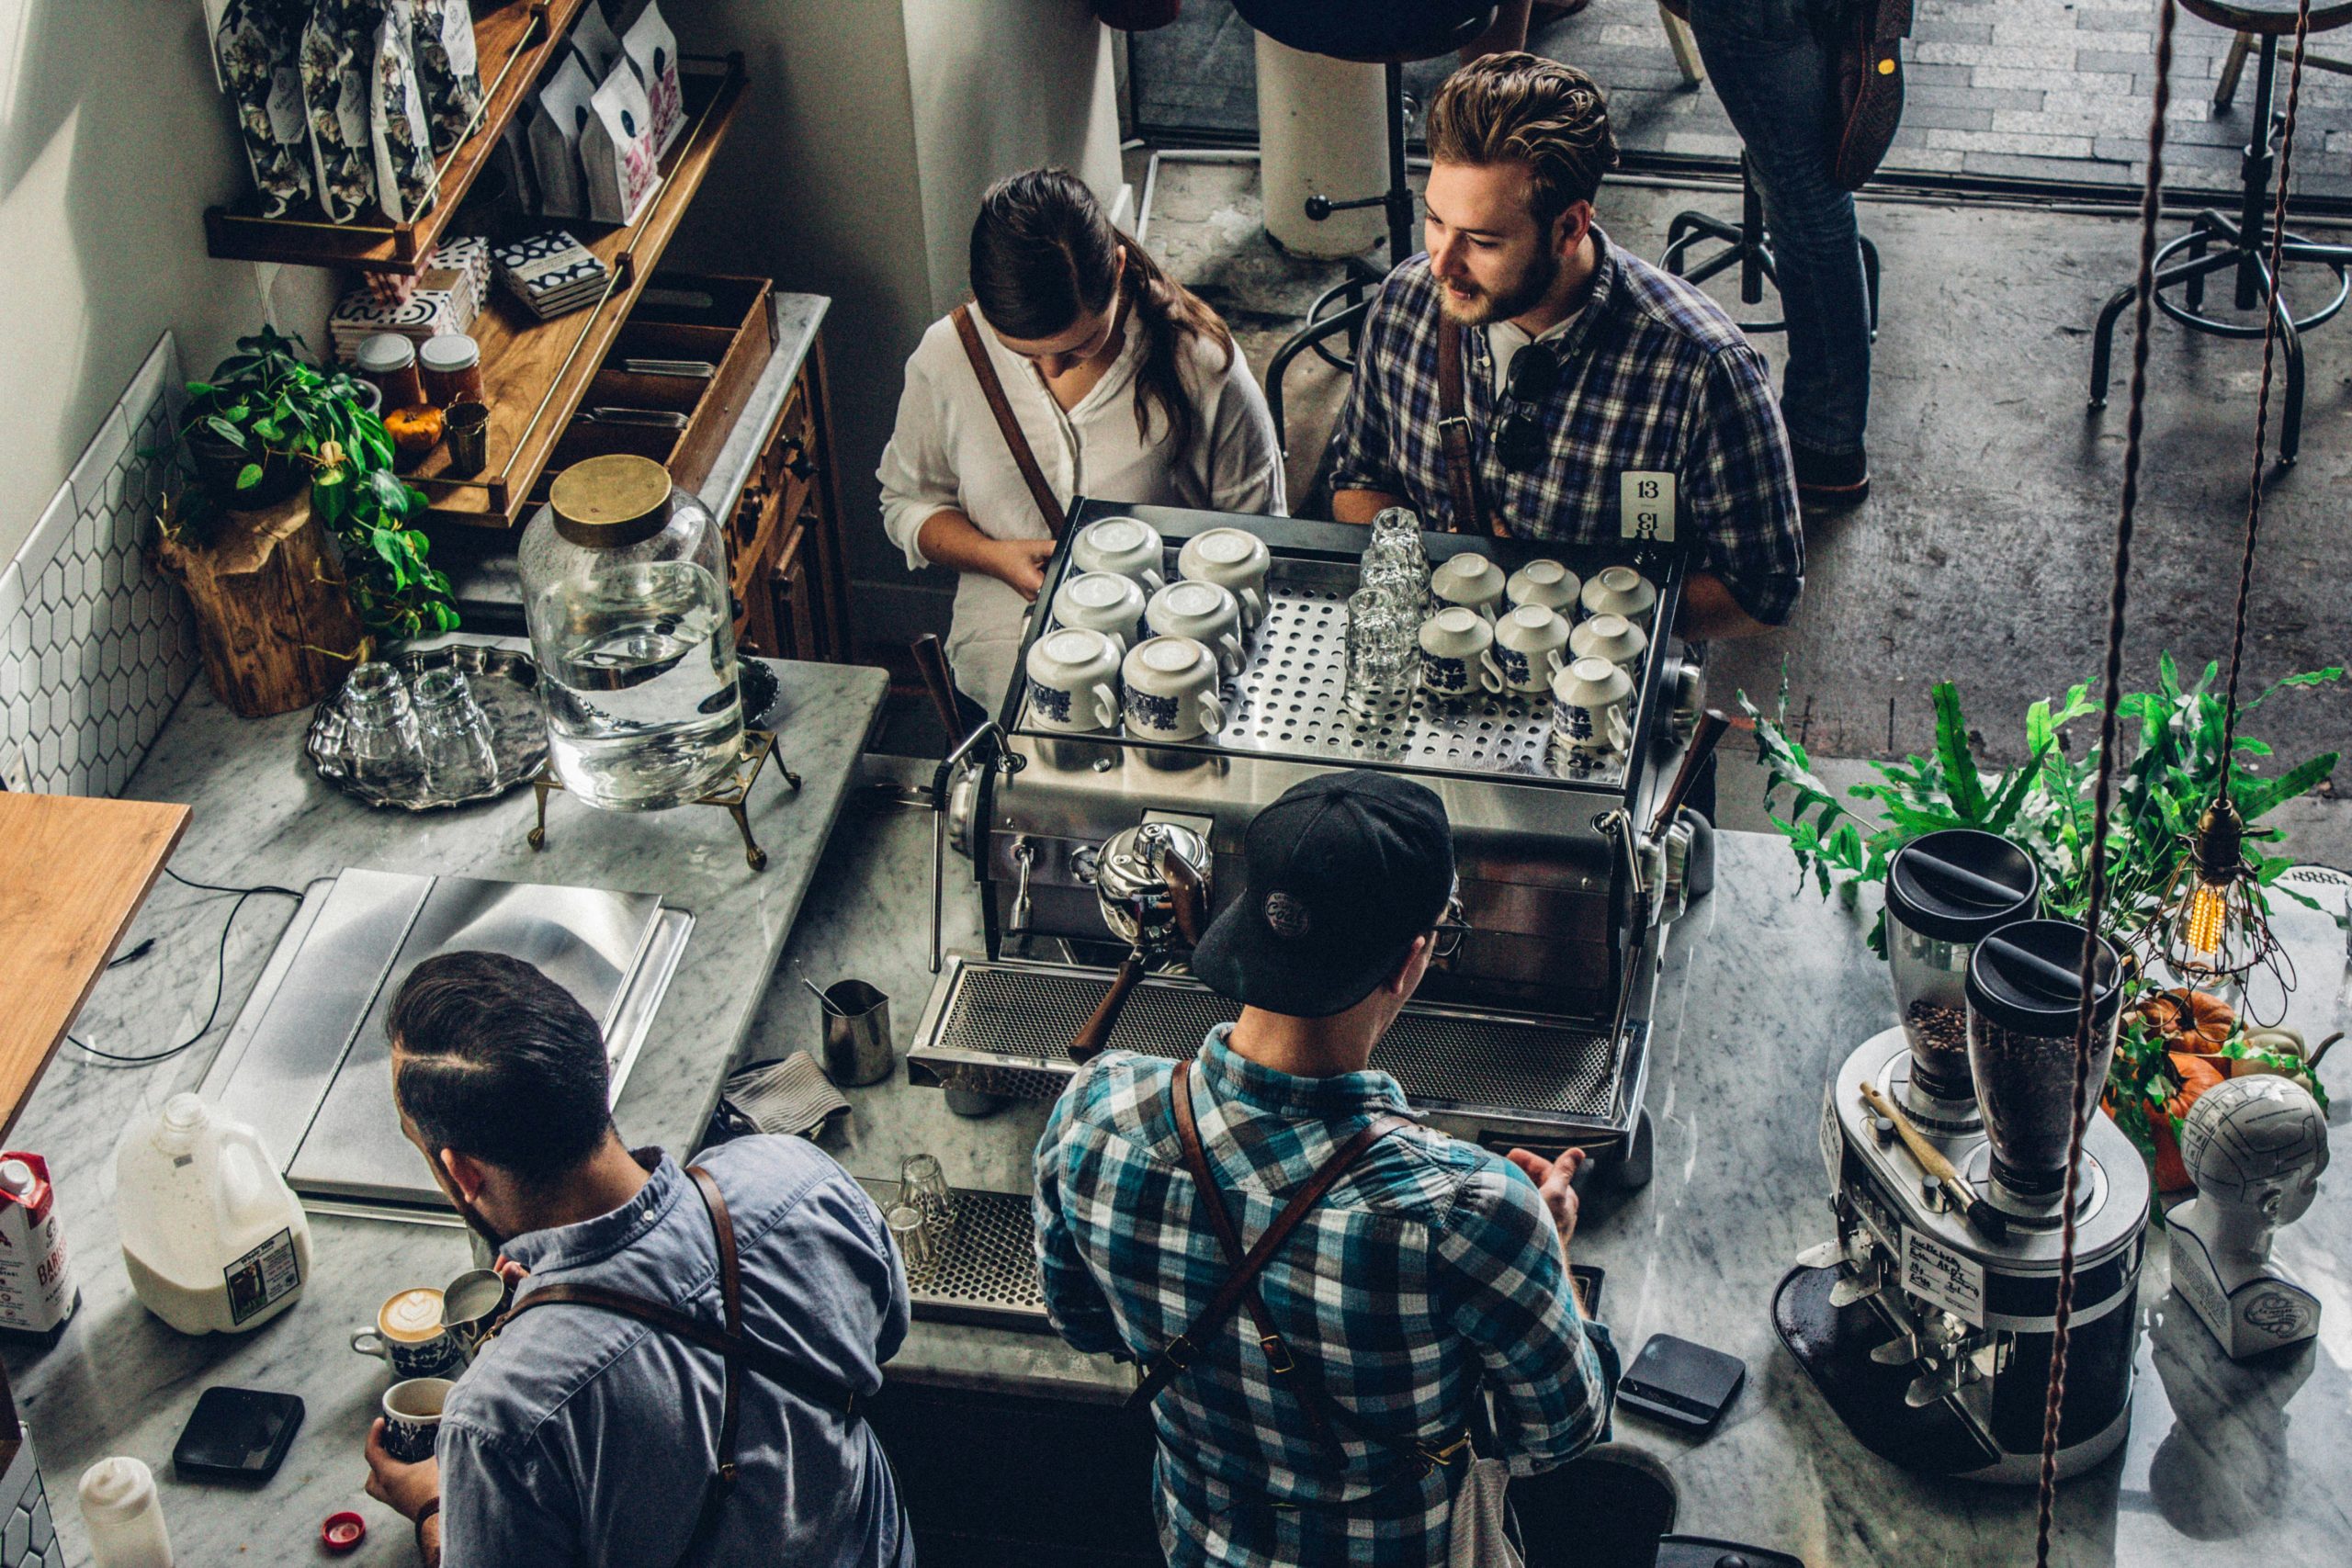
214	1238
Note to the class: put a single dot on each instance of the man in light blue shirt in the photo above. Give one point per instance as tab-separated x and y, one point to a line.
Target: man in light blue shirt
580	1436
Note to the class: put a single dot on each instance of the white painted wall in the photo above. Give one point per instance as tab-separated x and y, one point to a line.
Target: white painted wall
113	140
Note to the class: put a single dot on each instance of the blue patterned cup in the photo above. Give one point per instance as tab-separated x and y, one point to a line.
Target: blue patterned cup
1172	690
1458	655
412	1417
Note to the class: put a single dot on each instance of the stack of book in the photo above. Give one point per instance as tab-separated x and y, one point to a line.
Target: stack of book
448	294
553	273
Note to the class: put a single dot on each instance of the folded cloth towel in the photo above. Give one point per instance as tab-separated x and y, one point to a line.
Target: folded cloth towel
789	1096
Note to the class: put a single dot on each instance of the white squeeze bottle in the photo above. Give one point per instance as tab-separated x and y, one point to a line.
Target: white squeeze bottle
213	1236
124	1515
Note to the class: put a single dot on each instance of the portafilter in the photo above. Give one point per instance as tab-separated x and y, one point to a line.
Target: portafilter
1152	881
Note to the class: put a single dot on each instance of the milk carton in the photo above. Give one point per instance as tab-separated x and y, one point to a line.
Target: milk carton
37	1289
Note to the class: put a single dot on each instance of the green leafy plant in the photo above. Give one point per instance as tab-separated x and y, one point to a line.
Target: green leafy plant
266	411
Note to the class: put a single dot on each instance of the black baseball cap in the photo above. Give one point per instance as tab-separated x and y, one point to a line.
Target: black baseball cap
1345	871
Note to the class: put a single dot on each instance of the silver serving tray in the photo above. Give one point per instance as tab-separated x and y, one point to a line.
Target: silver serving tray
506	683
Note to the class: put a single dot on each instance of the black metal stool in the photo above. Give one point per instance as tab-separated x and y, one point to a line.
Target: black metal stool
1747	247
2215	242
1390	34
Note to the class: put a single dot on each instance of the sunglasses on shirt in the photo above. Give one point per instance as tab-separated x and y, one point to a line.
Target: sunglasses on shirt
1518	434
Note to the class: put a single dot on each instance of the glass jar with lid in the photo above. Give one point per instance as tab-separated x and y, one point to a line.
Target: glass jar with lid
388	360
2025	997
1945	893
625	592
451	367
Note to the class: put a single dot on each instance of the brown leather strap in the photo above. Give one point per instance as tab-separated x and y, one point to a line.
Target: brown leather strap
1240	1286
730	1296
1454	436
1056	520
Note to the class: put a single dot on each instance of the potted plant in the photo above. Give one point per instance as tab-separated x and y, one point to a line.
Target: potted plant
251	432
2175	1042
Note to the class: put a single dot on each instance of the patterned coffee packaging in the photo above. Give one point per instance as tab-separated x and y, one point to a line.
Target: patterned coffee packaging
337	58
652	52
256	51
396	132
618	166
448	69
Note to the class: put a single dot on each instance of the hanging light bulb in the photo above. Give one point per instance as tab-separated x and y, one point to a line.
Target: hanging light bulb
2211	926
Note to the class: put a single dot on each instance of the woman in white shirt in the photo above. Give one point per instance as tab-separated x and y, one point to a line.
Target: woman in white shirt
1126	387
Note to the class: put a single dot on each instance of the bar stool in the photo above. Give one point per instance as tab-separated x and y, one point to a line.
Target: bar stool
1390	34
2215	242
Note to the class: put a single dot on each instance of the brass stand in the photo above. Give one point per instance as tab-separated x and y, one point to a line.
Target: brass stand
758	745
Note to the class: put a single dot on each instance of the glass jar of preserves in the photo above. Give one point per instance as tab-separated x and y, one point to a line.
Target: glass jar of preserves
388	360
624	593
451	364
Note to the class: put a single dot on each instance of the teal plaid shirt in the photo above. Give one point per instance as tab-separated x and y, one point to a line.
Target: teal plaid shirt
1430	1270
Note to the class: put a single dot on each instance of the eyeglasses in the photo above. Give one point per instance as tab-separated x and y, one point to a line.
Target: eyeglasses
1518	435
1445	937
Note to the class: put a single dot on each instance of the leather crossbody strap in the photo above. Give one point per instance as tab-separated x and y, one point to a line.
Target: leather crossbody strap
1241	1288
1454	436
967	329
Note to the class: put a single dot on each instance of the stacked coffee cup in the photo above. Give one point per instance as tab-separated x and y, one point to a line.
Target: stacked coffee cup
1594	688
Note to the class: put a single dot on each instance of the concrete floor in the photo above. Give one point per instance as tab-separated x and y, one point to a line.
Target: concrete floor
1985	552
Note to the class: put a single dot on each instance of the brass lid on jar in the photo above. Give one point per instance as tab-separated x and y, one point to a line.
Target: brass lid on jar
611	503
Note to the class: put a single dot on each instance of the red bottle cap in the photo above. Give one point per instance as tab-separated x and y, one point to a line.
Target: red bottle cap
342	1532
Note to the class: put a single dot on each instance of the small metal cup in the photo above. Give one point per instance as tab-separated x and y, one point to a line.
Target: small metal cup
857	1033
916	1234
466	427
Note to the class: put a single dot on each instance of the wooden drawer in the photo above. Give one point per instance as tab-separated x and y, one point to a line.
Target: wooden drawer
720	321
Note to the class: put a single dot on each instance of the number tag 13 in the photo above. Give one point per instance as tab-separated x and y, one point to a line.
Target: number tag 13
1645	505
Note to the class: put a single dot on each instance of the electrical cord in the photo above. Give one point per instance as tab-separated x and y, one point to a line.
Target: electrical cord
219	970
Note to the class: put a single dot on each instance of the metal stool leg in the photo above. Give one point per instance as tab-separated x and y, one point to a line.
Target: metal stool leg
2225	91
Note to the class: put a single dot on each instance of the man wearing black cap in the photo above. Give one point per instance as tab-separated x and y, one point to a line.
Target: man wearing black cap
1312	1410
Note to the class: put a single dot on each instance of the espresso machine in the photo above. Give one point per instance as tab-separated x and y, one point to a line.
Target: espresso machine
1927	1321
1536	1033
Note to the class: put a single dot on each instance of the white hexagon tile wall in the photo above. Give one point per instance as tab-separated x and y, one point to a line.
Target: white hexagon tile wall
96	644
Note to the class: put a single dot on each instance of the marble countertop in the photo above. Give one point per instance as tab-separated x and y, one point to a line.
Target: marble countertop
1767	988
118	1381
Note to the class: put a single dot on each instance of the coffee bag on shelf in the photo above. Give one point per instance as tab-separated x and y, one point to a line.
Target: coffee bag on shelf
651	50
448	69
617	164
594	40
559	114
337	57
257	51
397	132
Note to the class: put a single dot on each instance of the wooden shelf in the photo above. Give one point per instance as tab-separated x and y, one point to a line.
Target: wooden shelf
516	41
536	373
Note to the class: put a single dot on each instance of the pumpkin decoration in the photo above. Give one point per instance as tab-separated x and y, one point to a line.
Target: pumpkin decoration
2190	1021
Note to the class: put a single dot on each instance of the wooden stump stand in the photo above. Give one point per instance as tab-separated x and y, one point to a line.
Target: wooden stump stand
274	620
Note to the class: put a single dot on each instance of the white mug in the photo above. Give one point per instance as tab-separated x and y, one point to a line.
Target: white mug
1613	637
1592	703
1205	612
1103	602
1172	690
1544	582
1458	654
1470	581
1128	546
1530	645
1236	561
1074	680
1621	591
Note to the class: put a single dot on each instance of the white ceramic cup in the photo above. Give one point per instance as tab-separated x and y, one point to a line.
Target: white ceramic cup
1613	637
1530	644
1172	690
1620	591
1074	680
409	1337
1470	581
1128	546
1544	582
412	1417
1104	601
1591	707
1236	561
1206	613
1458	654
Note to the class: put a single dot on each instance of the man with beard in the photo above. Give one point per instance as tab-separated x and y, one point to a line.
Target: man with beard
1512	376
689	1391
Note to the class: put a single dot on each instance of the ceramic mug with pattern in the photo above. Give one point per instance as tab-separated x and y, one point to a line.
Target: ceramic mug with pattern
1074	680
1103	602
409	1336
1236	561
1458	655
412	1417
1128	546
1592	706
1613	637
1621	591
1172	690
1547	584
1206	613
1470	581
1530	644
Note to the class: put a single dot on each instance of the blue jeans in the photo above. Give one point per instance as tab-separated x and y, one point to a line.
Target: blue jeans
1771	67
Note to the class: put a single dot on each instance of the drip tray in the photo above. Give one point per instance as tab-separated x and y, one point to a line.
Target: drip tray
1004	1029
987	1273
308	1066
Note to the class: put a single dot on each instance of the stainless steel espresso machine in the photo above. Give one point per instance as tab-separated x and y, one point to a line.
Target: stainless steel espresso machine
1537	1033
1927	1322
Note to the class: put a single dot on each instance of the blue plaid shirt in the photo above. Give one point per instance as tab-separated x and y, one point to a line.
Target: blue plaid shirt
1431	1268
1654	377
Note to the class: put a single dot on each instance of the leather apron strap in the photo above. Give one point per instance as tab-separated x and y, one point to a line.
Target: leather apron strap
992	389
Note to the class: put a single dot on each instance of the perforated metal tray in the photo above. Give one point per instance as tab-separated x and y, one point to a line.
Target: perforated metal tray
1005	1028
987	1273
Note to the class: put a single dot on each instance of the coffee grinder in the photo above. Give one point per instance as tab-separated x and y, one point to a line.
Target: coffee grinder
1928	1323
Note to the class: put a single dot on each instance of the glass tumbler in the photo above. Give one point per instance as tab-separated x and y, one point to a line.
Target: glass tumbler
454	734
923	1185
381	722
916	1236
1384	653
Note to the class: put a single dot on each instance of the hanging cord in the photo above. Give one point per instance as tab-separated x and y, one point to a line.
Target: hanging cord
2150	206
219	971
2262	398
